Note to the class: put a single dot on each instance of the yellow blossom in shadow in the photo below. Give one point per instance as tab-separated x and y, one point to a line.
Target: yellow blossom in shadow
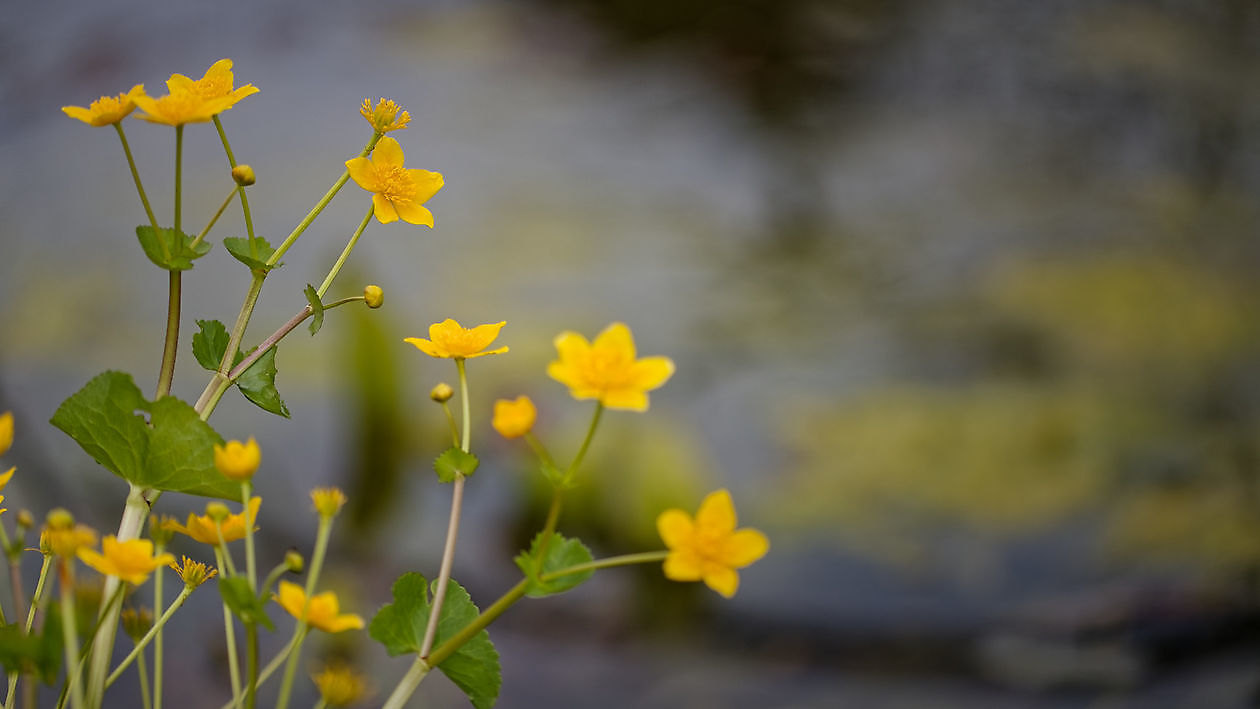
450	339
215	85
340	686
132	560
398	193
385	116
328	501
514	418
321	611
237	460
607	370
6	432
62	537
106	110
201	527
709	548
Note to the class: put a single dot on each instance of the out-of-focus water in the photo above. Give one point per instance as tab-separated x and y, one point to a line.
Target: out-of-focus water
962	300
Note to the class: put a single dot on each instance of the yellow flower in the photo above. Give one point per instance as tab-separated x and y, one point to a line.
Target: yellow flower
398	192
215	85
201	528
386	116
237	460
450	339
328	501
340	686
194	573
132	560
178	108
61	536
709	548
514	418
106	110
321	611
607	370
6	432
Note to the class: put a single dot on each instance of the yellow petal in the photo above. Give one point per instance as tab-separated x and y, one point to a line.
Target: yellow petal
481	336
178	82
349	621
78	112
426	184
744	547
683	566
616	337
384	209
425	346
221	68
722	579
292	598
717	513
6	477
571	346
363	173
6	431
651	372
483	353
414	213
388	153
95	560
625	400
675	528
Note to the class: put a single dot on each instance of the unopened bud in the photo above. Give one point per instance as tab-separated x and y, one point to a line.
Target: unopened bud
136	622
442	393
244	175
60	518
294	562
217	511
25	519
373	296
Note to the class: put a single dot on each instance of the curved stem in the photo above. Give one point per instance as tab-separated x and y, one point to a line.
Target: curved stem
448	648
586	443
171	344
646	557
345	254
444	574
135	175
149	636
227	149
210	224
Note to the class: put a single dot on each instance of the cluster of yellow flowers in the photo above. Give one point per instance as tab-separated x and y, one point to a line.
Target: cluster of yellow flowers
187	100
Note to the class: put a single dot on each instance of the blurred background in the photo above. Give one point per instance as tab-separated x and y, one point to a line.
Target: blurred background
963	299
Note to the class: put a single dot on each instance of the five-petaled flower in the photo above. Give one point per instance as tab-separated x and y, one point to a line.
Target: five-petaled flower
132	560
321	611
194	101
215	85
607	370
202	527
106	110
398	193
451	340
385	116
709	548
514	418
237	460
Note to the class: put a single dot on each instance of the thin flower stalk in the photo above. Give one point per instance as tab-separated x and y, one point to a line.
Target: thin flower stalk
213	220
142	675
345	254
149	636
158	648
70	634
135	176
227	149
301	628
266	672
229	633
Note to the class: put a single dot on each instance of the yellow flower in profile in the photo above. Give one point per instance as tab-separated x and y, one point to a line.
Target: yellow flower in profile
215	85
322	611
201	527
607	370
328	501
340	686
398	193
106	110
194	573
6	434
237	460
385	116
178	108
452	340
709	548
132	560
514	418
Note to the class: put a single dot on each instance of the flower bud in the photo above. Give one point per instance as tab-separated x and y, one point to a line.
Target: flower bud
160	530
328	501
217	511
294	561
442	393
373	296
243	175
59	518
236	460
25	519
136	622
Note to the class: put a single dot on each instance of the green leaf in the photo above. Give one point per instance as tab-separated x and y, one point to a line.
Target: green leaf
174	451
400	627
258	384
317	308
240	598
254	256
178	254
561	554
40	653
455	462
210	343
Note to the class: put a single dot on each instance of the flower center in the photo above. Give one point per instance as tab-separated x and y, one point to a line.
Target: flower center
607	368
394	183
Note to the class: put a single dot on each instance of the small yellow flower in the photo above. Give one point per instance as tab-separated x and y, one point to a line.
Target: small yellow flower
215	85
62	537
514	418
237	460
132	560
709	548
607	370
201	528
179	107
340	686
398	193
450	339
373	296
6	431
106	110
194	573
328	501
321	611
385	116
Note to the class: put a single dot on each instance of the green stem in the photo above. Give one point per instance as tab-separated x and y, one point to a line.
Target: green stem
171	343
265	590
646	557
319	206
11	698
229	632
149	636
317	565
251	644
267	672
345	254
586	443
70	635
290	666
158	640
142	673
539	450
463	397
210	224
179	166
407	685
250	564
448	648
135	175
227	149
444	573
450	419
